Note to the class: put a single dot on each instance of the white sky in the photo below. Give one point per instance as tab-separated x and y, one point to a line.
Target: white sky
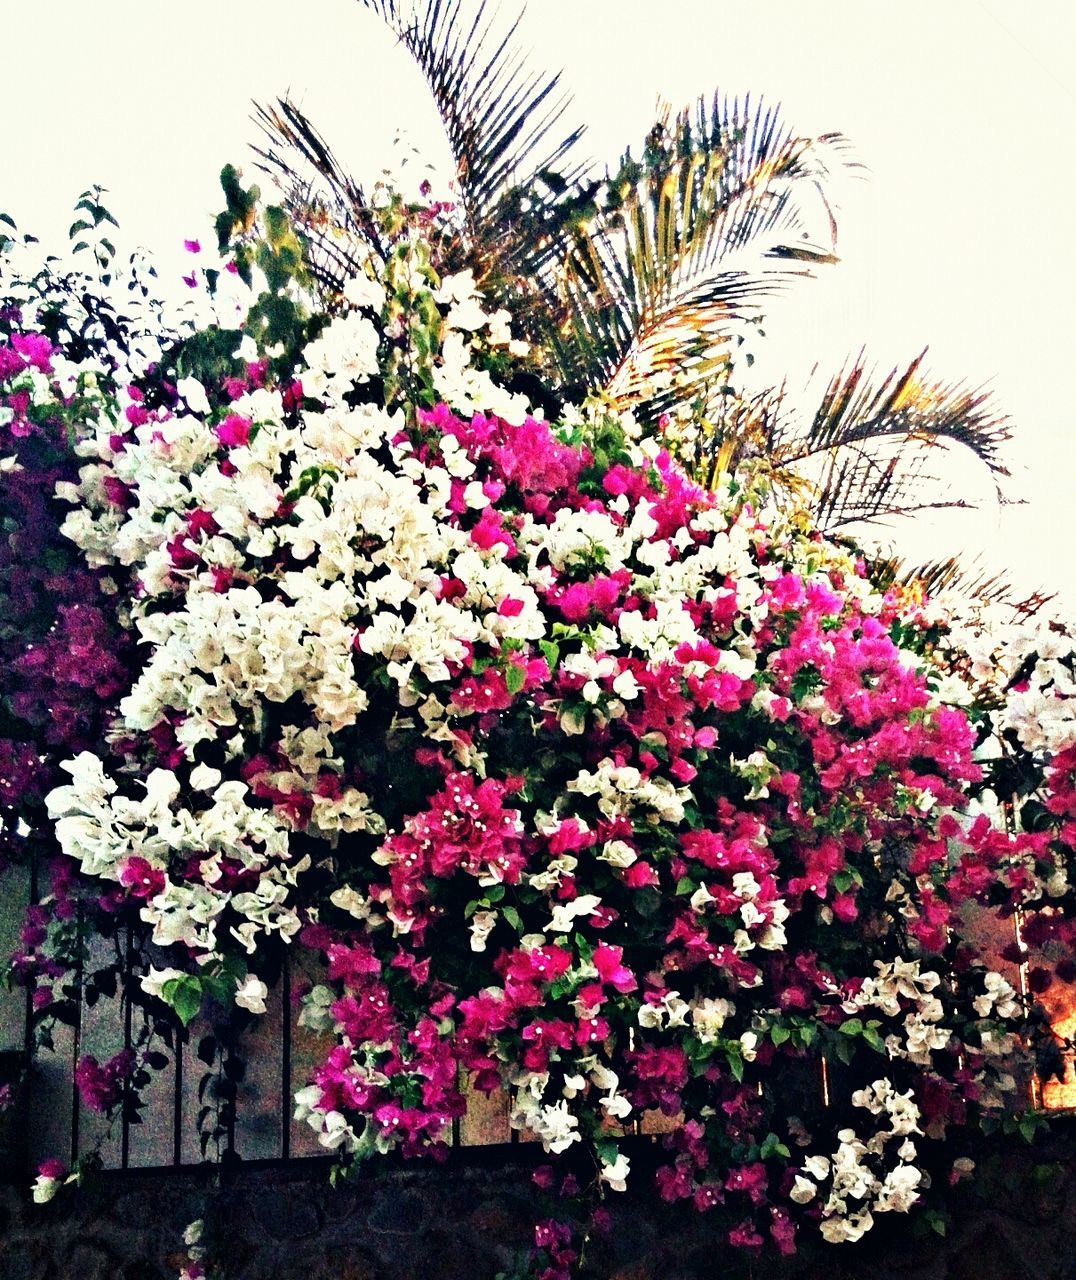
963	111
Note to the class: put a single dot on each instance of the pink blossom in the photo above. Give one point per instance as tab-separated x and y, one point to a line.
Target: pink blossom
233	431
611	971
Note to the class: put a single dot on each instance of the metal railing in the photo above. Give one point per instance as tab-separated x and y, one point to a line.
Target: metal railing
184	1101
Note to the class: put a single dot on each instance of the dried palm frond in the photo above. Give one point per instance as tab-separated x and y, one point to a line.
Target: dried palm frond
968	580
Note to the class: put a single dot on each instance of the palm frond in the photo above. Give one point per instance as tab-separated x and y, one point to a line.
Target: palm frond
634	285
323	200
500	117
908	402
639	287
518	187
967	579
869	444
687	241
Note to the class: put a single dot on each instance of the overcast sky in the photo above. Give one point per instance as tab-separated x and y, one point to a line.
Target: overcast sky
959	238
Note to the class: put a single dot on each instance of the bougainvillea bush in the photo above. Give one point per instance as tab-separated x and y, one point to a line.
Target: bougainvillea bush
575	779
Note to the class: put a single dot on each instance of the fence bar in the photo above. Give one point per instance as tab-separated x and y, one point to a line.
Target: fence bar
29	1033
177	1104
234	1111
285	1058
125	1128
76	1050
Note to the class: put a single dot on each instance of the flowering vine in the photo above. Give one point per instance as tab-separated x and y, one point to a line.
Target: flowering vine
576	780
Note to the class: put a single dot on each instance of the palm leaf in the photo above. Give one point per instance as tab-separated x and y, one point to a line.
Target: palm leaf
688	241
499	116
869	444
522	192
633	286
322	199
519	184
638	287
969	580
518	187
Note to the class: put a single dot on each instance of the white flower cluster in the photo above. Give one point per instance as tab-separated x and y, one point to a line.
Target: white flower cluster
335	1131
762	919
998	999
897	981
102	830
862	1178
455	378
1038	661
618	789
202	538
1025	672
1043	716
556	1124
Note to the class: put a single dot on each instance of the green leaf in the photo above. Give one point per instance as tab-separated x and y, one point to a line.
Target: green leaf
551	653
514	678
779	1034
185	996
935	1221
561	987
607	1150
647	902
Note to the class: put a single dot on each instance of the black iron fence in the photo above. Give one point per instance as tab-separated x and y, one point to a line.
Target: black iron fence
208	1099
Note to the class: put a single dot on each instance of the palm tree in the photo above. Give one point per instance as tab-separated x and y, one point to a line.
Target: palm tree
641	286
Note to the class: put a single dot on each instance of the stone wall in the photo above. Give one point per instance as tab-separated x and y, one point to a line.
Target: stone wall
464	1220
